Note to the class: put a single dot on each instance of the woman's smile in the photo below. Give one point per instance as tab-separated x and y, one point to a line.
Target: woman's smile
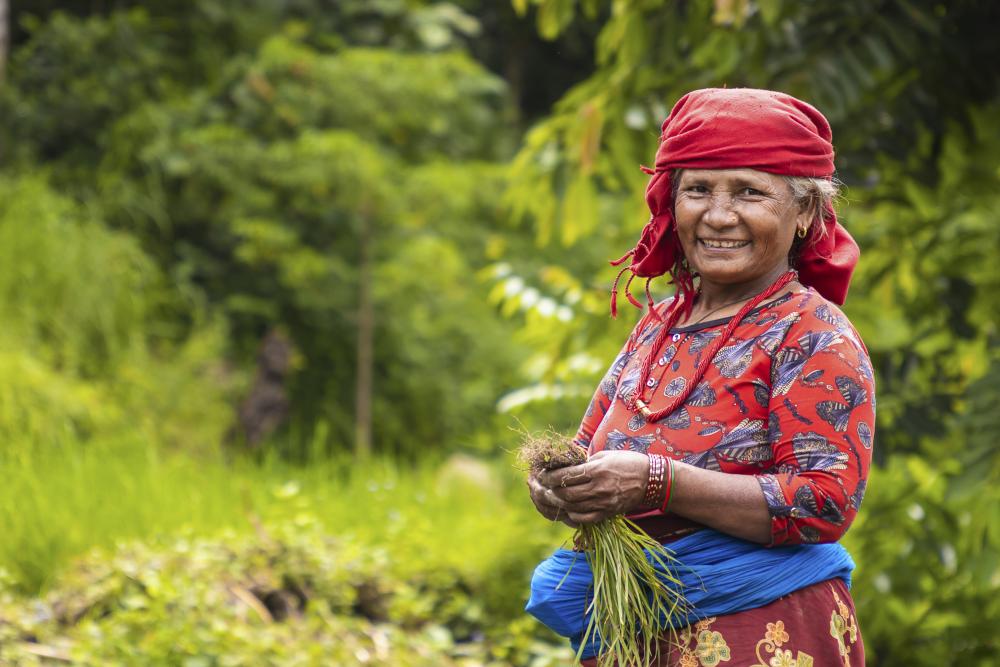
723	244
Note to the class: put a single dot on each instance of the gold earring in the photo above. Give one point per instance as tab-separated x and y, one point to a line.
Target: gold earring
801	232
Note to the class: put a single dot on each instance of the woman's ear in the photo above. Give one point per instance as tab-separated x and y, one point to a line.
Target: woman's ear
808	212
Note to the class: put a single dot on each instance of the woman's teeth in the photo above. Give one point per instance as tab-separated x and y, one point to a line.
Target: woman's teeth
725	244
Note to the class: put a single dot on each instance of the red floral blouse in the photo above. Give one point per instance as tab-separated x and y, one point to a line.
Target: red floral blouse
789	399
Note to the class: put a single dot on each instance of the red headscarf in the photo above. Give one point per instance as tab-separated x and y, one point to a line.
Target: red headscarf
732	128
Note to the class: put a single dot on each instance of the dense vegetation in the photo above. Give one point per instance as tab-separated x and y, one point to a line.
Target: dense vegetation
276	284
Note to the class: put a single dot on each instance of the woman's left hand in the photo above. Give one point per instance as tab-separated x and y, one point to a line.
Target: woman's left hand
609	483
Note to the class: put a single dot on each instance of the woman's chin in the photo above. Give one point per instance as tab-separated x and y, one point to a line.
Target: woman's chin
726	272
736	270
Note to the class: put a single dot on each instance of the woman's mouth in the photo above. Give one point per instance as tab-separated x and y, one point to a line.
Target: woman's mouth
719	244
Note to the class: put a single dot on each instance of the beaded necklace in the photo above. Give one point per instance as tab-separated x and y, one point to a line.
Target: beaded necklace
635	401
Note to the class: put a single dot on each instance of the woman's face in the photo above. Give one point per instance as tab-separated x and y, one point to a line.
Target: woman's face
736	225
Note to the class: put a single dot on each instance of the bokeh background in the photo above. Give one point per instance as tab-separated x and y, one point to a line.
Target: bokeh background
283	281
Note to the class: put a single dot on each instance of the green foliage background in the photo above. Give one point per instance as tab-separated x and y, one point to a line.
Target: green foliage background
180	178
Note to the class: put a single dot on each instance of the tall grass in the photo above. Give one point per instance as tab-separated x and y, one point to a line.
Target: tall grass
64	500
75	292
110	422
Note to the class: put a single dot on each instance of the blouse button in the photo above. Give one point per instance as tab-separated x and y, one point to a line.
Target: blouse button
676	337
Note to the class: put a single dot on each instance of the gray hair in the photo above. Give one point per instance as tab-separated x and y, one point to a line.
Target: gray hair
816	195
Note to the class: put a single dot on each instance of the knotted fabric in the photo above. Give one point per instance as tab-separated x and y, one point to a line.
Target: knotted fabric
719	575
735	128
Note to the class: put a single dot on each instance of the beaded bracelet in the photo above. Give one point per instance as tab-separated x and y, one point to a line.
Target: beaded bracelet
655	484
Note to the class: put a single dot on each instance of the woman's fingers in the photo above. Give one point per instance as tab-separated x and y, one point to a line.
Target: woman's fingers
610	483
577	494
552	498
548	504
583	500
565	477
554	512
542	498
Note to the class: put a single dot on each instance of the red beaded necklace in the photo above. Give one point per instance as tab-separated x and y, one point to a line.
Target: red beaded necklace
635	401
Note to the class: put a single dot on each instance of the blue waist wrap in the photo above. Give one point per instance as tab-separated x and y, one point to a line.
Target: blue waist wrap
720	575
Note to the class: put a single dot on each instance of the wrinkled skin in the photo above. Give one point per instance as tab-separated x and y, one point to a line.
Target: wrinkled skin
745	206
609	483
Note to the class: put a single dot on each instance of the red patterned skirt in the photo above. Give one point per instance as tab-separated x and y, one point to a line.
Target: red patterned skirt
812	627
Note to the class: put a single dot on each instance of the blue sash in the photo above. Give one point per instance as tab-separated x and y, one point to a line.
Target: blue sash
720	575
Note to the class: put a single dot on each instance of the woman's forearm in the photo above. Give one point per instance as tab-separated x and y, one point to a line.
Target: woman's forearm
731	504
613	483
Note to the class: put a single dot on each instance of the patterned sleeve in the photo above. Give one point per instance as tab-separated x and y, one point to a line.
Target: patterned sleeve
821	423
605	394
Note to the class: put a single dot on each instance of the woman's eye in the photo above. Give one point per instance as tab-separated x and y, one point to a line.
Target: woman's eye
751	192
697	189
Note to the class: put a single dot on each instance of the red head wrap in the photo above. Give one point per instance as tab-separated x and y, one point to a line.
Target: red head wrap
722	128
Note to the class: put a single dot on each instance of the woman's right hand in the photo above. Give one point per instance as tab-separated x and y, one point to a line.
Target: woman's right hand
545	502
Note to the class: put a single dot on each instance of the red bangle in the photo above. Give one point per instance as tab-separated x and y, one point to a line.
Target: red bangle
670	486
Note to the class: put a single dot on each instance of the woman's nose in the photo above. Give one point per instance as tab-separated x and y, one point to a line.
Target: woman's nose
720	210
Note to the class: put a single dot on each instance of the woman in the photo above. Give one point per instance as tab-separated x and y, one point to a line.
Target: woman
743	407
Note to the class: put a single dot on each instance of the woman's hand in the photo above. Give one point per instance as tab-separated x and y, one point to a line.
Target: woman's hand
609	483
545	502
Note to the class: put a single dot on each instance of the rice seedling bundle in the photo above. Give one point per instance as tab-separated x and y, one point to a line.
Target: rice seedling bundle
634	590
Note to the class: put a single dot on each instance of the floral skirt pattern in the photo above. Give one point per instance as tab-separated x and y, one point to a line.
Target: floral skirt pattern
812	627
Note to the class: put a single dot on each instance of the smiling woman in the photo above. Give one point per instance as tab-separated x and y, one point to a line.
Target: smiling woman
810	198
736	226
736	423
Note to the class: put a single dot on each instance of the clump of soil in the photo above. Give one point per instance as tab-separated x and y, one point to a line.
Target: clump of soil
548	450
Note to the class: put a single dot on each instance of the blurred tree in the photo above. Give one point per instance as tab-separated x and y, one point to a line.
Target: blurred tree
926	303
176	103
262	192
86	351
278	184
115	55
865	64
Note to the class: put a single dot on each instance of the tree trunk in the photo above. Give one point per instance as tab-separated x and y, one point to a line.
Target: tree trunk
366	331
4	37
